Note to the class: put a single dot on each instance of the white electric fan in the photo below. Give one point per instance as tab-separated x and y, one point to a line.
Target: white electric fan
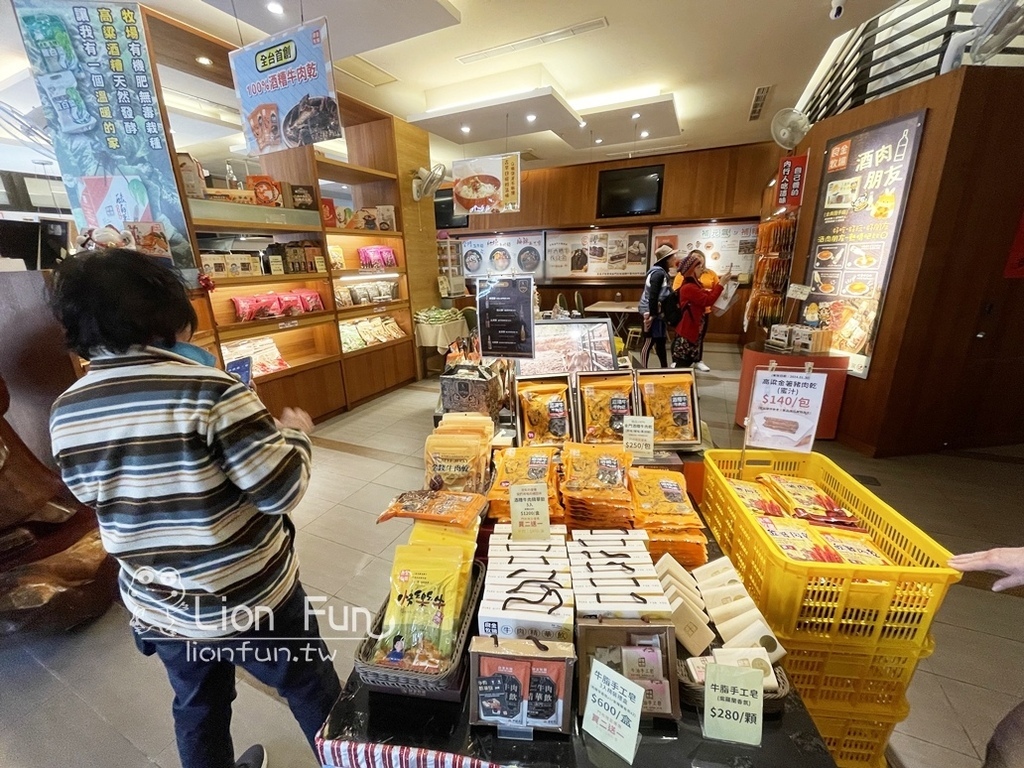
789	126
996	24
425	183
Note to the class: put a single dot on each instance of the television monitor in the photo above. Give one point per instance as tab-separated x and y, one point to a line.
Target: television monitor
630	191
444	212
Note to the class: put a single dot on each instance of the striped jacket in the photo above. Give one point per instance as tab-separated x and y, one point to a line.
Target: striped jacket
190	479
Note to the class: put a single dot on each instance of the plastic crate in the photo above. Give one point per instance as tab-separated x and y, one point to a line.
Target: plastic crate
857	742
828	676
848	605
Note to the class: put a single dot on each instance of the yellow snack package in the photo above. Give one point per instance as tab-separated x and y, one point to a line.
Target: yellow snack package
798	541
419	623
669	399
606	403
661	494
854	547
454	463
475	420
435	534
457	509
545	412
756	498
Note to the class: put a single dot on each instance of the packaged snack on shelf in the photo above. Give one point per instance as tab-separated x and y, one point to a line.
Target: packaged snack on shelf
804	500
342	296
600	469
854	547
377	329
291	304
669	398
337	256
444	507
311	301
464	538
798	541
606	401
661	494
502	690
477	420
387	255
454	463
365	330
419	622
689	547
351	339
545	412
392	328
756	498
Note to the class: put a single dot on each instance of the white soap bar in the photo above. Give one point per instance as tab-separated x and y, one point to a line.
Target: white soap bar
693	633
726	611
673	593
669	580
722	595
698	667
755	658
721	579
668	565
708	570
759	634
727	630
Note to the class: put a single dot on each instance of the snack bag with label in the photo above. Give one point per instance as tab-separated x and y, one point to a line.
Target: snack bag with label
756	498
854	547
462	510
546	415
798	541
606	403
804	500
454	463
669	399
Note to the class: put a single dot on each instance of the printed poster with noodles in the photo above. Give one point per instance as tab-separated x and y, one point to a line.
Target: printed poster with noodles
503	255
865	181
596	253
486	184
285	87
727	246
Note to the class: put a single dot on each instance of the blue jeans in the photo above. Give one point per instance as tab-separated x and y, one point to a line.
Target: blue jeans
202	674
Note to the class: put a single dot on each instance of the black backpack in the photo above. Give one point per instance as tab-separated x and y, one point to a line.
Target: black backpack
671	312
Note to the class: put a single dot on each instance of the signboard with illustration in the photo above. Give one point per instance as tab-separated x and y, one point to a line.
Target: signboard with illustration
285	86
504	307
597	253
727	246
486	184
503	255
865	181
93	69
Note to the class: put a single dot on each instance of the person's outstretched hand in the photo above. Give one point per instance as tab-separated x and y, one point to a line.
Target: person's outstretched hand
296	418
1006	560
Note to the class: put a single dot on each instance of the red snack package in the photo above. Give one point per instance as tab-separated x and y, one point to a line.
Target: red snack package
269	306
311	301
291	304
245	307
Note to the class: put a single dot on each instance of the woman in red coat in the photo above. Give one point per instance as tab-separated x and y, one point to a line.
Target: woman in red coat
694	298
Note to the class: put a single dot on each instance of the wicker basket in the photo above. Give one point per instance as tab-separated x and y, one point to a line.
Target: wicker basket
692	693
446	686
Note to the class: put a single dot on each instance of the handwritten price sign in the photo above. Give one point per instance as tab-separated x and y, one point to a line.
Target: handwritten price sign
733	704
612	714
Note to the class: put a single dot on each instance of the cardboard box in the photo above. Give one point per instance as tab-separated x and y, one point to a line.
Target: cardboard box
298	196
239	265
239	196
364	218
214	264
471	388
192	176
266	189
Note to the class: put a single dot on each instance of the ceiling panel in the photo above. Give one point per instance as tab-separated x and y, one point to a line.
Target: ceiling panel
657	117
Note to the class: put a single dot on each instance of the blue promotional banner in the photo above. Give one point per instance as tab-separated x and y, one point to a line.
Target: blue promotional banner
94	73
285	87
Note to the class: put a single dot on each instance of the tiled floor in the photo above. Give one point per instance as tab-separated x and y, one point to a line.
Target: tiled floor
89	699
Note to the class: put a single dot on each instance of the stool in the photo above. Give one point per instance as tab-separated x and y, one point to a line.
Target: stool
633	337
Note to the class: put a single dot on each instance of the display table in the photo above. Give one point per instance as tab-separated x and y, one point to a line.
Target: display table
440	336
833	366
377	729
618	311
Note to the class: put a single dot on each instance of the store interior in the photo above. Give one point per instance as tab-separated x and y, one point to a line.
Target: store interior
444	261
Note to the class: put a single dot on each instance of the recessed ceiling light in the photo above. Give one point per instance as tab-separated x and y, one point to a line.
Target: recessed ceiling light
344	186
530	118
206	61
714	221
583	123
465	129
598	141
644	134
275	8
636	115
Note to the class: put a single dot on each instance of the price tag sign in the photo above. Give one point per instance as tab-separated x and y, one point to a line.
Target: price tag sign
531	514
784	409
798	292
638	435
733	704
612	713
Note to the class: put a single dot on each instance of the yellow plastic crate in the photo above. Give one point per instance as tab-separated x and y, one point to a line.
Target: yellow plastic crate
857	742
832	676
861	606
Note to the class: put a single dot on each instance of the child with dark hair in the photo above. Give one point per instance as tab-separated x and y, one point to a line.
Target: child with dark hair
191	479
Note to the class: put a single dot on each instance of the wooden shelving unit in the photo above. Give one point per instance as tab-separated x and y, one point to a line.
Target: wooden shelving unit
367	234
349	173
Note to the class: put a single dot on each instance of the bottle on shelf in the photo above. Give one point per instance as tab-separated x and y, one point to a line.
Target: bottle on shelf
229	176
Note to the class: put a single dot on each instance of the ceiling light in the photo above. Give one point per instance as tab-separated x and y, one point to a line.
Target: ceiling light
275	8
530	118
206	61
465	129
583	123
636	115
598	141
644	134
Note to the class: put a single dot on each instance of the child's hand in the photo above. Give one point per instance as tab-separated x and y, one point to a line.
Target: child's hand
1007	560
296	418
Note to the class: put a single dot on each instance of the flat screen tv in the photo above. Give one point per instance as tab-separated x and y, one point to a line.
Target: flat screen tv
630	191
444	212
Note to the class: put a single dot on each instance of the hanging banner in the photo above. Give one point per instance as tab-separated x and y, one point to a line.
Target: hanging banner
285	86
785	407
486	184
596	253
94	73
503	255
504	308
726	247
1015	262
789	184
865	181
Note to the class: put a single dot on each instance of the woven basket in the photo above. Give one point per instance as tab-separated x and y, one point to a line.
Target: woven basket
693	693
445	686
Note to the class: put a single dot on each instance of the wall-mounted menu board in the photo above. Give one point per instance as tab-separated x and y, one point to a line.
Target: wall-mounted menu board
504	255
727	246
596	253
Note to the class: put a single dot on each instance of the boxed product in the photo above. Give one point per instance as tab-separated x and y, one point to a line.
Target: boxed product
337	257
386	218
266	190
298	196
515	617
364	218
328	213
472	388
241	196
192	176
214	264
239	265
521	683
